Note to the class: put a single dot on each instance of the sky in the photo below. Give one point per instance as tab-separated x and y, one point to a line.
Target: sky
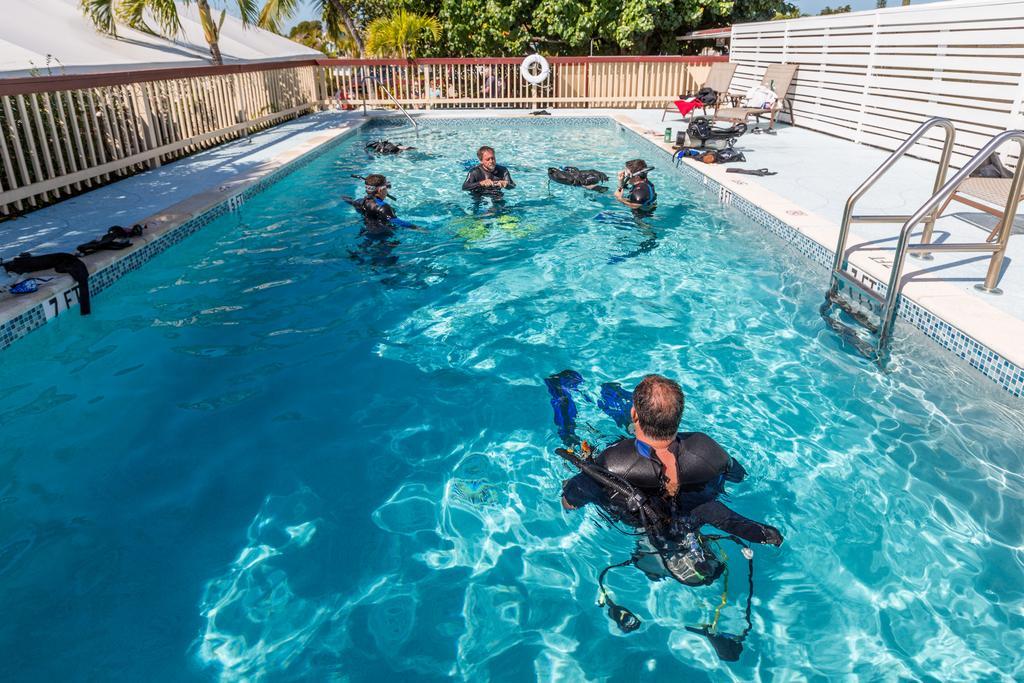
806	6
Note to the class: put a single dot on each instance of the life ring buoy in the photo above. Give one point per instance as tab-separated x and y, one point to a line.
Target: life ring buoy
529	76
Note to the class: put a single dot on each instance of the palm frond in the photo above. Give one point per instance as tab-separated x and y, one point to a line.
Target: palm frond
101	13
249	11
132	14
275	12
401	34
166	14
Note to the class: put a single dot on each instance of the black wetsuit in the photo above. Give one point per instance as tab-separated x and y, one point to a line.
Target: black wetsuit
377	216
478	173
643	193
703	468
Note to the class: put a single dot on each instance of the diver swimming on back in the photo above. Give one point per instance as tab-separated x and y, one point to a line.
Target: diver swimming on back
664	483
387	147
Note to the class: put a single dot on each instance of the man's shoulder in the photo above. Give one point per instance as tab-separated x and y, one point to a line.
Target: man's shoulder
698	440
622	447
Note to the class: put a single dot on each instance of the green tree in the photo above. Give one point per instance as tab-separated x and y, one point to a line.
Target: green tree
401	35
311	34
482	28
841	9
880	4
341	19
106	13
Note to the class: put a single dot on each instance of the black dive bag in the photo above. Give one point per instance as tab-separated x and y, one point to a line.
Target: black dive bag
570	175
701	129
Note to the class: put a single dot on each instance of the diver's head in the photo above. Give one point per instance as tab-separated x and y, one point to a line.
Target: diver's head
486	156
657	408
377	186
636	170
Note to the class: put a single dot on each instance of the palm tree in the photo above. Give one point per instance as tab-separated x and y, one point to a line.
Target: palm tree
336	17
105	14
401	34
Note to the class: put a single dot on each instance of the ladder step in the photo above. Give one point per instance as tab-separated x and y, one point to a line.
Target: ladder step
854	313
853	281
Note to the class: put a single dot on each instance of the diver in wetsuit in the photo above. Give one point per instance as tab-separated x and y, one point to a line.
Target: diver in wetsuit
379	221
377	213
641	195
665	484
487	177
681	473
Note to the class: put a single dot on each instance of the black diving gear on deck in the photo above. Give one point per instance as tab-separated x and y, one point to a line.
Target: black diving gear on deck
703	129
115	238
61	263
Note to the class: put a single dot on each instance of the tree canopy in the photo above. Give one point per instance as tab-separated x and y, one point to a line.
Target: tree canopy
492	28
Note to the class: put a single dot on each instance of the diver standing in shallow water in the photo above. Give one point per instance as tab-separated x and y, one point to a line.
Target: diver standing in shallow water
682	472
488	177
641	196
379	221
665	484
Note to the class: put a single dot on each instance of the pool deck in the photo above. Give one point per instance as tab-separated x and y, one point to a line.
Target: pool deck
816	173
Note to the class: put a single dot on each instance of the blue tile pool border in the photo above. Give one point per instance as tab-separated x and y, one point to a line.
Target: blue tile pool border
989	363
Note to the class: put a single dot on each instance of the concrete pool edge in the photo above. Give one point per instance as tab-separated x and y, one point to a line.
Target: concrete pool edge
942	312
21	315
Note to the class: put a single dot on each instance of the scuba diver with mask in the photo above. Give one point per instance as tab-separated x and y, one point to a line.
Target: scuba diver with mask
665	484
641	196
379	221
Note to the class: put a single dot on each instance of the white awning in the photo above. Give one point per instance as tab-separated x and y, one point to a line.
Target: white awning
54	37
708	34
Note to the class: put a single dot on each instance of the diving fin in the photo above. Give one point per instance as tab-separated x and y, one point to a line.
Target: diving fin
623	618
727	646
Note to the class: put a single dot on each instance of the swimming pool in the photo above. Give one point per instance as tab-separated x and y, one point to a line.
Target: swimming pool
275	452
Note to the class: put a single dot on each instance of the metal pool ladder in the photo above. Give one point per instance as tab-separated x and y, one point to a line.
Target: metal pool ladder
374	79
883	305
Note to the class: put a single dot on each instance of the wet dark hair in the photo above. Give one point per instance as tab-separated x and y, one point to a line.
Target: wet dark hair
659	406
480	152
634	165
375	181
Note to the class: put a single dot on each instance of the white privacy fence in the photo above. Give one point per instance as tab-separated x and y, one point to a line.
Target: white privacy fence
873	77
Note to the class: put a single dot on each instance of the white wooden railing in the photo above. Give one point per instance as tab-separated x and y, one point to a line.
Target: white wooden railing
63	135
66	134
873	77
496	82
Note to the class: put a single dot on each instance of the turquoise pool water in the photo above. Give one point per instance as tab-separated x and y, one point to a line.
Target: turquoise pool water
262	458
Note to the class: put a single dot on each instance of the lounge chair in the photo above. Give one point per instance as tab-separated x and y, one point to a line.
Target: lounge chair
988	195
778	78
719	78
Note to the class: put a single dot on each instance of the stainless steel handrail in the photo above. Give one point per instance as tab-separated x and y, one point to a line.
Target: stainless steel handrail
940	177
398	104
998	249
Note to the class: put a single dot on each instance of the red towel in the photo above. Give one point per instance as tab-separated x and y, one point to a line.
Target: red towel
686	106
